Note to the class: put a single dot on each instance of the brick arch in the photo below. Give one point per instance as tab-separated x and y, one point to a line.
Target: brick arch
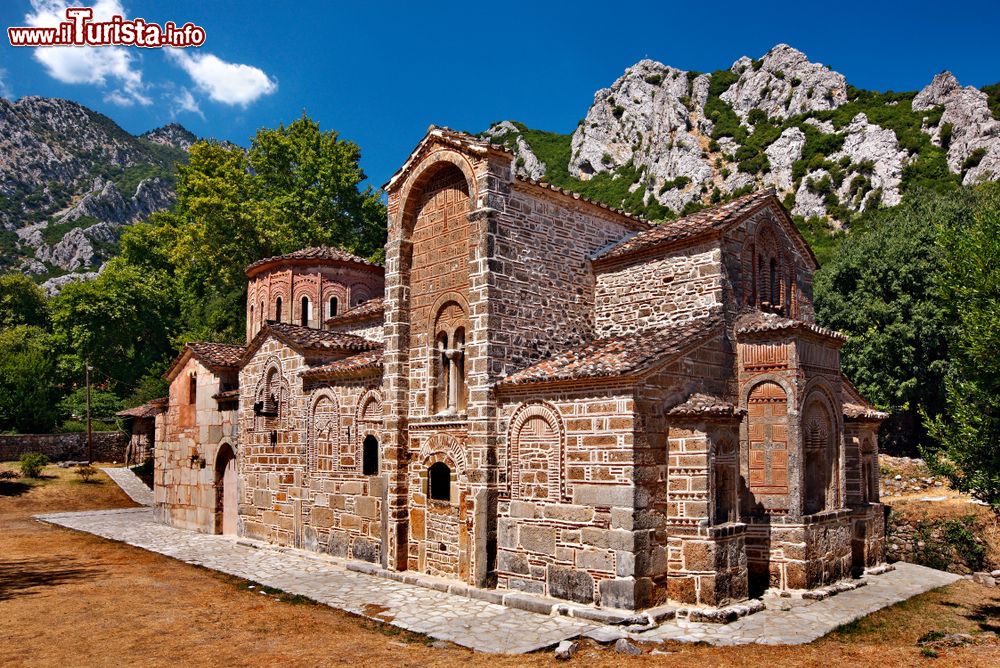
535	444
367	420
759	379
412	191
329	421
443	448
821	452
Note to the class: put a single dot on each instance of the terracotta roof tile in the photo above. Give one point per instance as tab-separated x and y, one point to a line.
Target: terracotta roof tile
217	355
370	360
713	218
312	254
618	356
757	322
307	339
705	405
146	410
373	309
859	412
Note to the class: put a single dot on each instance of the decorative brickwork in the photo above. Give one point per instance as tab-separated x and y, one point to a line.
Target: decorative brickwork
548	396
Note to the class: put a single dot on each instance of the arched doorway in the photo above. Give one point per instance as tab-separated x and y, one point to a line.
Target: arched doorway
226	496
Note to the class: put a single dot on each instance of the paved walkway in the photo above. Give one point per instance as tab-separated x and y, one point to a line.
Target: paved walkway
131	484
475	623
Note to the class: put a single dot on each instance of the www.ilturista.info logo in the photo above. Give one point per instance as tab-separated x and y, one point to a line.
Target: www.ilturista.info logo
81	30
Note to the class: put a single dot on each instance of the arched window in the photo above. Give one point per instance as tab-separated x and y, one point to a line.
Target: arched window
326	435
773	282
820	458
360	301
253	323
277	309
305	311
369	456
192	389
439	482
726	471
333	307
448	361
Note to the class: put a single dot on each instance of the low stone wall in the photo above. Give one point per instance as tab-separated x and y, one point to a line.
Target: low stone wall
109	446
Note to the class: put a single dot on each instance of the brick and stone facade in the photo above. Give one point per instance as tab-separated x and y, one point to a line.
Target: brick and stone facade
543	394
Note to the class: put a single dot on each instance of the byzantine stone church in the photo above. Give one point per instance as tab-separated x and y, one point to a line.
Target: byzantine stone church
536	393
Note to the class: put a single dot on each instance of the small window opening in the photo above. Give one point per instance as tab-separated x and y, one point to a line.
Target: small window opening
369	456
277	310
333	306
192	389
305	312
439	482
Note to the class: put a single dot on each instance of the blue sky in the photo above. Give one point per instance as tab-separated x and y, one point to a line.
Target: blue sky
380	73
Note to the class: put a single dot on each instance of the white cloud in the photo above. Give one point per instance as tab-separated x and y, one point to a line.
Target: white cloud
184	101
4	88
102	66
228	83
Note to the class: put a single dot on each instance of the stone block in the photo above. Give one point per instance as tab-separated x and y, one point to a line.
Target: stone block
614	539
321	517
367	507
365	549
523	509
618	593
570	584
538	539
506	533
595	560
512	562
569	513
603	495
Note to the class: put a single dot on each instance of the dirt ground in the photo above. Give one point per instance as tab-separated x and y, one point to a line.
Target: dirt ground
71	599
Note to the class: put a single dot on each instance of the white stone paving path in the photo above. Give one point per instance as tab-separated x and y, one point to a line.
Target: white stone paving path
475	623
131	484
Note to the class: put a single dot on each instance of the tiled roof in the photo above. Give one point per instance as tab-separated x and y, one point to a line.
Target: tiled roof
859	412
757	322
227	395
704	405
146	410
618	356
373	309
307	339
856	407
214	356
217	355
713	218
312	254
370	360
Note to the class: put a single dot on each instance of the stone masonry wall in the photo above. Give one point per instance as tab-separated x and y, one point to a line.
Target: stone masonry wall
371	330
109	446
184	466
684	284
301	482
565	513
542	300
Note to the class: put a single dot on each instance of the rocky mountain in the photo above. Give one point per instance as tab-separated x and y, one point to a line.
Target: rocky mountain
70	179
661	141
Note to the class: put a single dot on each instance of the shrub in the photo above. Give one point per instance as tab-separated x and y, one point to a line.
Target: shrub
618	111
946	130
32	463
86	472
756	116
654	79
796	81
757	64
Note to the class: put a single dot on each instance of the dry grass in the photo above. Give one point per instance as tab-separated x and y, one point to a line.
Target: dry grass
68	598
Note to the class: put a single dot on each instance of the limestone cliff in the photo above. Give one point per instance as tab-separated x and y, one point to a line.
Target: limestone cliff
661	141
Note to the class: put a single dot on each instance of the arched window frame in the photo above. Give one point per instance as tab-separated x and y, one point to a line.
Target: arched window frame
304	308
439	476
277	309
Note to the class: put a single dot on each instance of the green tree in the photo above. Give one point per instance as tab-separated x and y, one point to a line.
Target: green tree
121	322
881	290
297	186
969	427
103	404
28	378
22	302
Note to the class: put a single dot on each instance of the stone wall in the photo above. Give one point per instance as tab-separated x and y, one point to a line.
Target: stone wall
565	525
302	482
185	490
109	446
373	330
684	284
